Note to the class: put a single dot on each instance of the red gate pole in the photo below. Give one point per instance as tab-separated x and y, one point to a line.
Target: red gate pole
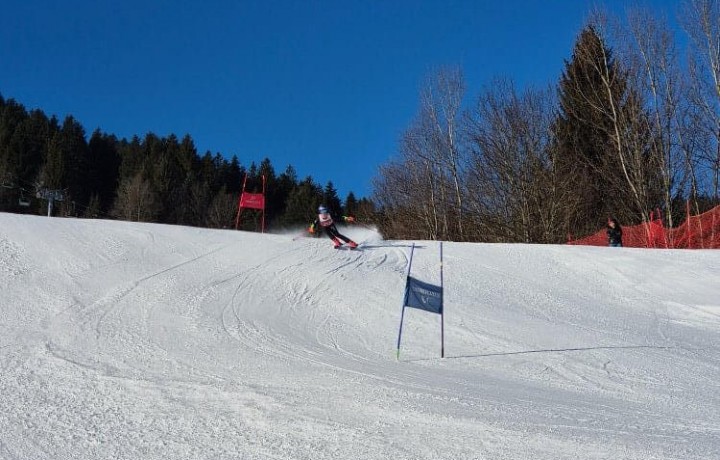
687	221
262	225
252	201
237	218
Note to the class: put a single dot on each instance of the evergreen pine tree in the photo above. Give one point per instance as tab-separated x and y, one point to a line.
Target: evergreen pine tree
159	179
583	149
233	175
23	143
34	133
274	203
302	203
75	153
92	211
331	199
103	169
351	205
54	168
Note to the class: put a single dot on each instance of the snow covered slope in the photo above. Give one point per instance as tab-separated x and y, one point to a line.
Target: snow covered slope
140	341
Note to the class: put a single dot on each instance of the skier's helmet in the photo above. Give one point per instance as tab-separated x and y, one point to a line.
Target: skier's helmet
322	210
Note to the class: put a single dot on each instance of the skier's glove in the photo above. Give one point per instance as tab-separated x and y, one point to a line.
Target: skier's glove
311	230
350	219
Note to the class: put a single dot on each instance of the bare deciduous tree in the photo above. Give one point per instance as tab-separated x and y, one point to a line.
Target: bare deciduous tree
136	201
512	183
424	184
654	61
221	211
701	21
442	100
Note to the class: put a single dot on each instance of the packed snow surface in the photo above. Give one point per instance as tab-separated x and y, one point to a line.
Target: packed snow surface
139	341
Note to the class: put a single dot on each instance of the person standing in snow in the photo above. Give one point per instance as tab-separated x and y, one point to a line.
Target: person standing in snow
614	233
326	222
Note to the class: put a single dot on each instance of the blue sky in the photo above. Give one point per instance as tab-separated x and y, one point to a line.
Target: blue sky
327	86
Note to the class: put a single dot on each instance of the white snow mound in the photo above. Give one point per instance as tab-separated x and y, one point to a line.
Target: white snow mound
138	341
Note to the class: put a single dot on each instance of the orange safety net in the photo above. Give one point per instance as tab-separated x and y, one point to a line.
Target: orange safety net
697	232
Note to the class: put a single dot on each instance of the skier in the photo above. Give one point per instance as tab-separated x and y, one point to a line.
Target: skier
325	220
614	233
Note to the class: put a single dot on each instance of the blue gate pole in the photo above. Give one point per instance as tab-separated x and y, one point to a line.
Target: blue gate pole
442	306
402	316
405	299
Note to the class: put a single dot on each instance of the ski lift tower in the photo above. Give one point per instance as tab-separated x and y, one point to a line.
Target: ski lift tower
51	196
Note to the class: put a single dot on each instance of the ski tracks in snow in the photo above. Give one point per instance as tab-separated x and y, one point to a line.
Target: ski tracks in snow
305	289
178	343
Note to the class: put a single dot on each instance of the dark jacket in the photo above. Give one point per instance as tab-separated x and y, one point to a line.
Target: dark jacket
614	235
327	220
